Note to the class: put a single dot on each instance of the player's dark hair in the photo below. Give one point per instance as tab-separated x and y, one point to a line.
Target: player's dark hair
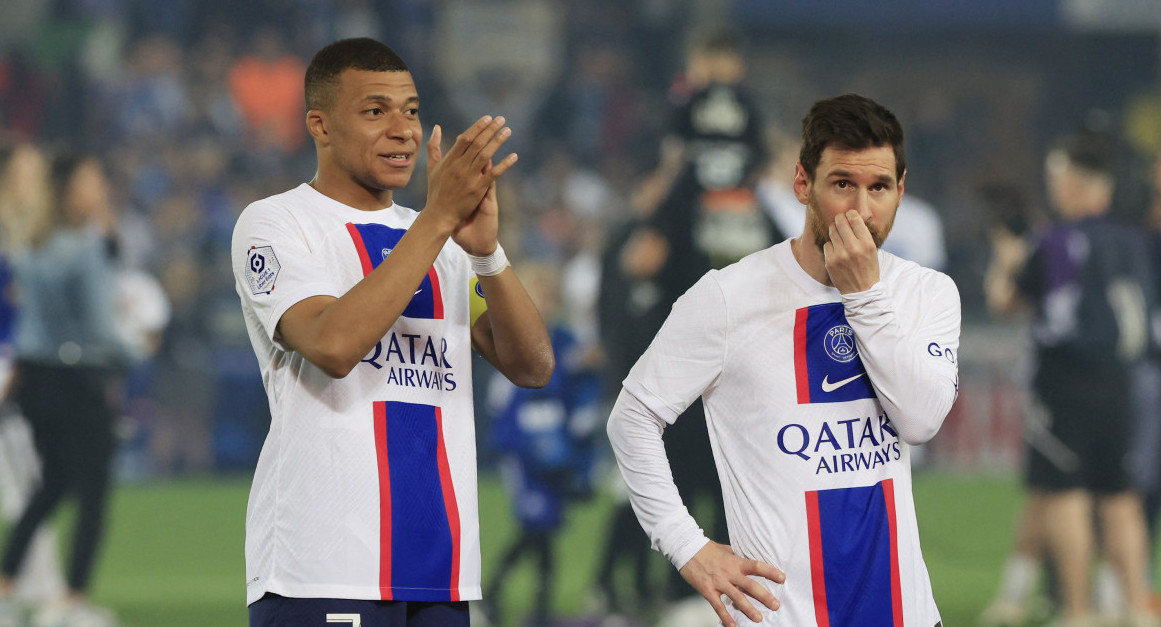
359	53
1088	150
850	122
719	42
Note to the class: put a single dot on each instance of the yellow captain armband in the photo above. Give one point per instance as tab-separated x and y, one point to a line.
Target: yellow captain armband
476	301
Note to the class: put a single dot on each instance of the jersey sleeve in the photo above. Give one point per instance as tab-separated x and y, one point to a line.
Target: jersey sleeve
274	267
910	359
635	434
687	355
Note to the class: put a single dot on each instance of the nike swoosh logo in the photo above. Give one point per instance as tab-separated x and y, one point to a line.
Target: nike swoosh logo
419	290
827	386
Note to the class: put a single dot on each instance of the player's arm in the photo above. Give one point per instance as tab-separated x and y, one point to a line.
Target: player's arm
912	361
335	333
684	360
511	334
1009	255
712	569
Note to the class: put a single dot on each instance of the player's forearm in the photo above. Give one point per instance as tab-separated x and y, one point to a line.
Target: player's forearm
913	370
635	434
341	333
517	342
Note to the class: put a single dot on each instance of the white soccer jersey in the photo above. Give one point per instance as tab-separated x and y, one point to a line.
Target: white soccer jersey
811	398
366	485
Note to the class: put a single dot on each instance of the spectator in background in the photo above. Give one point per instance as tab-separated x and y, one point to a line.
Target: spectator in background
267	87
630	309
1147	383
547	443
24	192
69	354
24	94
1087	281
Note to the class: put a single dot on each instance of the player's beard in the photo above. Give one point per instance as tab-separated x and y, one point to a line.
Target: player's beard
822	230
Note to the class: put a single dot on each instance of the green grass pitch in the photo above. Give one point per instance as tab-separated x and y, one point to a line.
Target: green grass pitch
173	553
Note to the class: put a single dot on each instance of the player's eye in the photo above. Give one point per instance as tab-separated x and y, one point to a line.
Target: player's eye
374	111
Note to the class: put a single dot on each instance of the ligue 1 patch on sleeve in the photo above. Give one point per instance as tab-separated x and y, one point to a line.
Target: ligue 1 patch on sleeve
261	269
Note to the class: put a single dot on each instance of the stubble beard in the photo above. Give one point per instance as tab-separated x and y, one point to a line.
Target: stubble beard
821	231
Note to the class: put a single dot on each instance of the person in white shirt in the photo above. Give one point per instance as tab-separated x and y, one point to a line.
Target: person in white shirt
820	361
363	314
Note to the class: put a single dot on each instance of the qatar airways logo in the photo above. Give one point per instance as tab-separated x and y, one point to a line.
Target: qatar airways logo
842	445
413	360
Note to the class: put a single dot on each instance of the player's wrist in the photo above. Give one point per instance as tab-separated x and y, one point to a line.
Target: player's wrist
489	264
442	220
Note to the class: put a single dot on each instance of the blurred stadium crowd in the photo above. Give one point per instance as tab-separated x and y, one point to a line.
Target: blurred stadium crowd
196	109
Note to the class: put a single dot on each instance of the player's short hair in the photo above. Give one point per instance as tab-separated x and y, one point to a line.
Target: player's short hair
718	42
360	53
1088	150
850	122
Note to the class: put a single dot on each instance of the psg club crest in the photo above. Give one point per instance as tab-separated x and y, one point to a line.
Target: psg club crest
261	269
827	368
839	343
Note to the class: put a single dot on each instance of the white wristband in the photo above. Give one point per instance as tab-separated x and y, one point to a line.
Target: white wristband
490	265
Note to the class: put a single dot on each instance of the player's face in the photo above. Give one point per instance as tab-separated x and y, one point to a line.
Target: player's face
374	128
863	180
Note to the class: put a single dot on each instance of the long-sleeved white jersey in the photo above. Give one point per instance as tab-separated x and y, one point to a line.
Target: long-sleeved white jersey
812	399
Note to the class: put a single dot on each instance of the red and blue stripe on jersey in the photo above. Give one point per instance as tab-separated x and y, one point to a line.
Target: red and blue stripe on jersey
419	544
374	242
827	367
854	556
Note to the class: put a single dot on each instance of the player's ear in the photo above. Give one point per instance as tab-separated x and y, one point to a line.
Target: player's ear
316	125
801	184
901	180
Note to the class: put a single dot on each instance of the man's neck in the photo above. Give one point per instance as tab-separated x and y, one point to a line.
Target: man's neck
809	257
353	195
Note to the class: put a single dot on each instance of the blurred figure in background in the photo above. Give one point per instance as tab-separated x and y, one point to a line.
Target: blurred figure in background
25	192
1147	384
707	217
69	356
1087	282
547	443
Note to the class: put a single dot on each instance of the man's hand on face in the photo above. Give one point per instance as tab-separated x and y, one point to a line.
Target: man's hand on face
851	256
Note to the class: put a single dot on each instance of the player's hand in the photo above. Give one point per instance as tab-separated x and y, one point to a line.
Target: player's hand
644	254
457	181
851	257
1009	251
716	571
477	234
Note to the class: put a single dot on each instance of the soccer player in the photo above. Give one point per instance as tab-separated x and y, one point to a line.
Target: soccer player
819	361
1087	281
362	314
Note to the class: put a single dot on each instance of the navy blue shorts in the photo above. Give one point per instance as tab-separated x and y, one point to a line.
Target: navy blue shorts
273	610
